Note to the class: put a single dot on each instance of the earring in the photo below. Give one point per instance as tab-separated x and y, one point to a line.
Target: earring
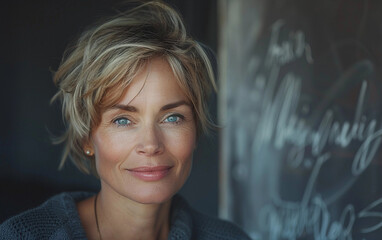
87	152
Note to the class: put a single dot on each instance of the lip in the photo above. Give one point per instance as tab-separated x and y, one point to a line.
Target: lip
147	173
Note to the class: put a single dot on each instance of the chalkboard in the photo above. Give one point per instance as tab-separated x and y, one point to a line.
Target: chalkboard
302	118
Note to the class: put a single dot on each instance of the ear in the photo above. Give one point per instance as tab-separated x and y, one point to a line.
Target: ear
88	148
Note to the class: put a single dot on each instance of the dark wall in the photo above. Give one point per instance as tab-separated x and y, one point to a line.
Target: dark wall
34	35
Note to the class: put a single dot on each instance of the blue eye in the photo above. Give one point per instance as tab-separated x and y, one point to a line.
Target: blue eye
172	119
122	122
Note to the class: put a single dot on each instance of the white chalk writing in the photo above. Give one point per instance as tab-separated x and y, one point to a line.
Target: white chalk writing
280	120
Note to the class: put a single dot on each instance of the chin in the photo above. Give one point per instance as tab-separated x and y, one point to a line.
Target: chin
152	196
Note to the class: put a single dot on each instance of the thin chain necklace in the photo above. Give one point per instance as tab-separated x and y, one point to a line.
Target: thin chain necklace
96	217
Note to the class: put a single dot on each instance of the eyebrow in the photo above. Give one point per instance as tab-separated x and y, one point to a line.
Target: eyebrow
174	105
129	108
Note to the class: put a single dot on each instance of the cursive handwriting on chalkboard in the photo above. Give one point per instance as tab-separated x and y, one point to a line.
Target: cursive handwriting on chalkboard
282	52
369	212
281	125
283	121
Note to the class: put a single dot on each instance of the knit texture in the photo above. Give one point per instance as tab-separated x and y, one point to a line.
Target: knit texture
58	218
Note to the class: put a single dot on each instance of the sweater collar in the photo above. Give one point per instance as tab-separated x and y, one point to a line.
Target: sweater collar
181	220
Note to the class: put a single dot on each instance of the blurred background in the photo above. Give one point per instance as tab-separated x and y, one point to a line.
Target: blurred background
34	35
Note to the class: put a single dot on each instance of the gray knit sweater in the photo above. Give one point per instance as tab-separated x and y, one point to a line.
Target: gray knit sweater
58	218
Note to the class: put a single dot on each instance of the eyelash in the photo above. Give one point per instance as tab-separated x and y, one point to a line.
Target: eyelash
129	122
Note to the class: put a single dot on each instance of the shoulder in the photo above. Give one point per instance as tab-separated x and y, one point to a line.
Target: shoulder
57	216
202	226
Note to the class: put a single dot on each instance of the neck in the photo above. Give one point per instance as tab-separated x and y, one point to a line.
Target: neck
122	218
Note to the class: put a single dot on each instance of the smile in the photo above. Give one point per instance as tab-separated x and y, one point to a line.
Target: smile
150	173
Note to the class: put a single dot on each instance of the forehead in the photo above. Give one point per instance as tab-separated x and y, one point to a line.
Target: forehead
155	82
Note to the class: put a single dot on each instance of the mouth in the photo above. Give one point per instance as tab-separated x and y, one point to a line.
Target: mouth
150	173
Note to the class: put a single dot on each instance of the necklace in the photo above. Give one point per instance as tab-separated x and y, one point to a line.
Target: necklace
96	217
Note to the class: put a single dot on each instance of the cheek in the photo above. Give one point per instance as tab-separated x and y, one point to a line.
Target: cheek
110	147
182	144
186	150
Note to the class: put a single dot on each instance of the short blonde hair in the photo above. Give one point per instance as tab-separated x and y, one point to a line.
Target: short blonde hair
95	72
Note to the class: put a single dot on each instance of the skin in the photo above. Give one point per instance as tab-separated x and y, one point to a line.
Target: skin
152	125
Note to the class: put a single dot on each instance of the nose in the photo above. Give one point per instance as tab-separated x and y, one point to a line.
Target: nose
150	142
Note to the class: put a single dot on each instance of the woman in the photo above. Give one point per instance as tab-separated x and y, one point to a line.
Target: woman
134	92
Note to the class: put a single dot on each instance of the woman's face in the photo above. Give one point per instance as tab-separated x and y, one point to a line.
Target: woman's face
143	146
